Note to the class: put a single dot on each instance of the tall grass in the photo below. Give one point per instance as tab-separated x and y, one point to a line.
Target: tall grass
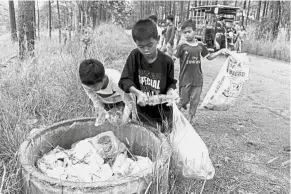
278	48
47	89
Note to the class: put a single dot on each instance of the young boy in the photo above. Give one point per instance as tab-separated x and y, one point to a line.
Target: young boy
148	72
101	86
190	76
170	35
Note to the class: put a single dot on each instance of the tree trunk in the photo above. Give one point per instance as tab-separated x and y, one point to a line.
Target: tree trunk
163	10
12	21
264	9
59	19
50	19
277	18
235	4
141	9
248	12
26	28
267	8
182	12
174	11
38	21
244	9
94	18
188	10
170	9
71	24
259	10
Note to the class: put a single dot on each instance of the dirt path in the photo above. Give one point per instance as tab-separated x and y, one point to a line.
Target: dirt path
245	138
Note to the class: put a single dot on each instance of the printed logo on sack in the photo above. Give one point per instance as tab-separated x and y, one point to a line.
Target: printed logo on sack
233	90
149	82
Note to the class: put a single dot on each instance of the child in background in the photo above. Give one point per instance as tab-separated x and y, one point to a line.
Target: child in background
148	72
241	36
170	35
190	76
101	86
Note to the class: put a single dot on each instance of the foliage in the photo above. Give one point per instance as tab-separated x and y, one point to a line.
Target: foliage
4	17
265	45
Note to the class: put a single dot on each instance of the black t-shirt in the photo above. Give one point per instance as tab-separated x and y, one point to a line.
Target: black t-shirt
151	78
190	63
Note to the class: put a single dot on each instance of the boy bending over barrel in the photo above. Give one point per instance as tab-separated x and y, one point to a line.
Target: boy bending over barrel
101	86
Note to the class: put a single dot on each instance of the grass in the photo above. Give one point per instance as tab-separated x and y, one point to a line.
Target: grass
278	48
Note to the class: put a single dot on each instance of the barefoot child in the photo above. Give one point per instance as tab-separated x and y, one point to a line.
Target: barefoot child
190	76
148	72
101	86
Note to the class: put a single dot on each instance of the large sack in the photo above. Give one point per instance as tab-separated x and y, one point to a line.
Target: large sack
228	83
190	154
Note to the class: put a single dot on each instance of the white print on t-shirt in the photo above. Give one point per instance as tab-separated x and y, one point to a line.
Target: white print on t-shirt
149	82
193	60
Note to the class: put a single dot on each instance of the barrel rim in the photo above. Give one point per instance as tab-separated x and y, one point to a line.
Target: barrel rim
34	173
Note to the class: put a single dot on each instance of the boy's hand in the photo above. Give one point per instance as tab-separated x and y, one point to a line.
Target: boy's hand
102	116
172	94
225	51
142	98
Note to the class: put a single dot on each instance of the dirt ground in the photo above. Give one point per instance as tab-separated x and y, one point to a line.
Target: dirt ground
246	143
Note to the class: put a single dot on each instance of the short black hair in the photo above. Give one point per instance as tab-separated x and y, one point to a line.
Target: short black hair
170	17
91	72
144	29
154	18
189	23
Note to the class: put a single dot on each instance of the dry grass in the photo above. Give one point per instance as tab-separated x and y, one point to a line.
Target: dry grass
277	49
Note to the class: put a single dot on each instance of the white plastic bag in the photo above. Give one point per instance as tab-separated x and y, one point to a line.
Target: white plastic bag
228	83
190	154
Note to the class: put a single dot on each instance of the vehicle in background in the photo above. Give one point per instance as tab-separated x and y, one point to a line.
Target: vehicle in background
215	25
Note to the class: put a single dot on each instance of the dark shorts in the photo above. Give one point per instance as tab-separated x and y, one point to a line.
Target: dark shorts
189	94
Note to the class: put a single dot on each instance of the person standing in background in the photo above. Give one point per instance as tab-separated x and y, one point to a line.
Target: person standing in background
154	18
170	35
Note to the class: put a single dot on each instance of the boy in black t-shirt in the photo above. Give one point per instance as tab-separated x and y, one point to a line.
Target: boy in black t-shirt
148	72
190	76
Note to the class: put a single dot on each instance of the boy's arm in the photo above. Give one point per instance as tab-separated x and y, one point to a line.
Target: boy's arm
171	39
220	52
99	106
127	76
171	81
178	53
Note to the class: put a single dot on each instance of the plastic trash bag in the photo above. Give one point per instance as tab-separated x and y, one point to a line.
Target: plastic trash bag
108	145
228	83
190	154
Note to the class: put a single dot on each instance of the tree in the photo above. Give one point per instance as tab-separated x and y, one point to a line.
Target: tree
259	10
188	10
182	11
38	21
59	18
12	21
244	8
264	9
26	27
50	19
248	12
277	18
